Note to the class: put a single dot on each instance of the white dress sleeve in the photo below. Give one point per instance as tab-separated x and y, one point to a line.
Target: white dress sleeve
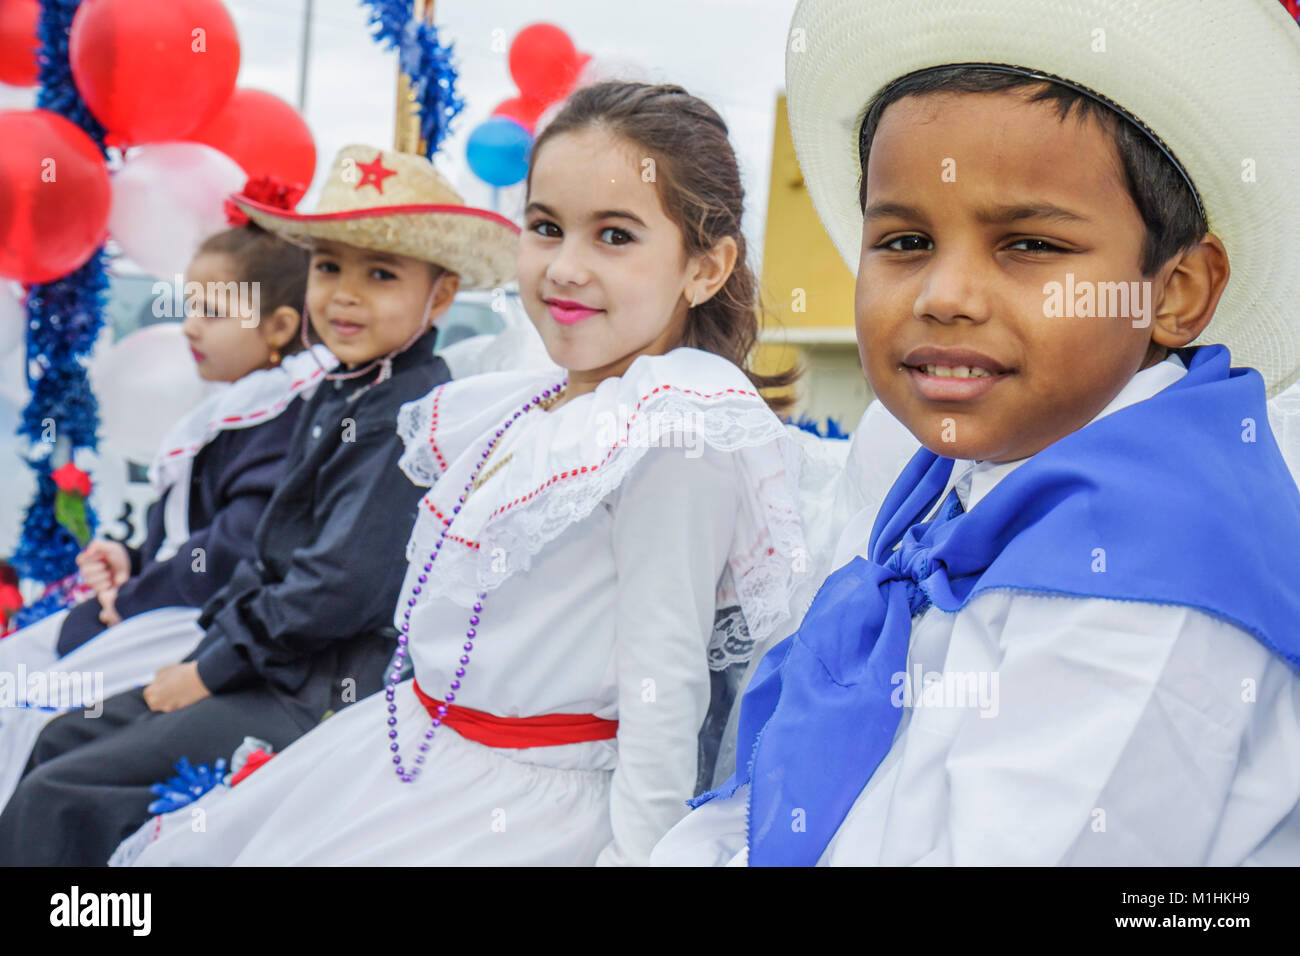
1115	737
674	520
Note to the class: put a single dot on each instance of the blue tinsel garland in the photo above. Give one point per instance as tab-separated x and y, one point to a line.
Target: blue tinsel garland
188	785
833	428
63	322
425	61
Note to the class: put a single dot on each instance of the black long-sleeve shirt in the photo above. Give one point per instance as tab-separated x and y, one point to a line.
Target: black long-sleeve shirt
312	611
231	482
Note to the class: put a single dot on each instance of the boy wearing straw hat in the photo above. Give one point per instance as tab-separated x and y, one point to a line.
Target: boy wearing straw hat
1072	635
303	629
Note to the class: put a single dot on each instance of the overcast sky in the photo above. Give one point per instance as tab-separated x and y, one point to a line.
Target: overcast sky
730	52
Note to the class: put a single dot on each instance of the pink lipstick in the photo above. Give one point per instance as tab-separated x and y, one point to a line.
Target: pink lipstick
569	313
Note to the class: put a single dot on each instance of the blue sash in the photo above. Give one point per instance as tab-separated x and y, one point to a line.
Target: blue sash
1180	499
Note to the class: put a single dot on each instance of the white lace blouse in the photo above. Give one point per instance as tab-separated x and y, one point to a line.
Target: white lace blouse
607	559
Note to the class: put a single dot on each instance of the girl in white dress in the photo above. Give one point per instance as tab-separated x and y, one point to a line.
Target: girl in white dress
599	543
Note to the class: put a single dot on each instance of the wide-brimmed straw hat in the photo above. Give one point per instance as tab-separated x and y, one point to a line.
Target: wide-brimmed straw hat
399	203
1216	81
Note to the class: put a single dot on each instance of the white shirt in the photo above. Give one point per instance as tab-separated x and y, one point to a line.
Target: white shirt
1118	734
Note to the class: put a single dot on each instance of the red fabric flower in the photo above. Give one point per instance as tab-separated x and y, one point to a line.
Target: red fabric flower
255	760
72	479
11	602
269	191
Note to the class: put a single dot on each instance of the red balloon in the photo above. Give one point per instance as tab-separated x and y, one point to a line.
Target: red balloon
18	42
54	196
264	134
153	70
543	62
522	109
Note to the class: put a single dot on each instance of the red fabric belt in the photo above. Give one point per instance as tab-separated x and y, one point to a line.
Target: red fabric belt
547	730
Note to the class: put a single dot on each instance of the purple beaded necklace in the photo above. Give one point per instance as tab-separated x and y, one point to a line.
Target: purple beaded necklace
407	776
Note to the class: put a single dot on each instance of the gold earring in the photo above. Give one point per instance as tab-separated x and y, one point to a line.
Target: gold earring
275	356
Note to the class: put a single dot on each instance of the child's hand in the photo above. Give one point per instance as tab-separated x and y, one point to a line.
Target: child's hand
174	687
104	565
108	615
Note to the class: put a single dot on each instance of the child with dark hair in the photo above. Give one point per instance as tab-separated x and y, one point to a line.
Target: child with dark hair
301	629
214	474
601	543
1071	635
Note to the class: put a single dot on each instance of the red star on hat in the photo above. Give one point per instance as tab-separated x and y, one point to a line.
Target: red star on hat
374	173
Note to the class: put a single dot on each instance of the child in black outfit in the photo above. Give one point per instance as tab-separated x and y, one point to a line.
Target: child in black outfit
213	474
304	628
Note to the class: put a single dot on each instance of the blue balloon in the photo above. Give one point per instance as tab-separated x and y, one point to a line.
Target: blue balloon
498	151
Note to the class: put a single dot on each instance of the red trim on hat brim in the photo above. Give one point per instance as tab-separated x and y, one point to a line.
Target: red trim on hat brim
374	212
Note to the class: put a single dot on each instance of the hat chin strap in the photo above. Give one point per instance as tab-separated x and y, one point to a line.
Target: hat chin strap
385	364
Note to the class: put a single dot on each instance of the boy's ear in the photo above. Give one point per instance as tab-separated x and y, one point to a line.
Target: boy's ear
447	285
280	327
1191	293
713	269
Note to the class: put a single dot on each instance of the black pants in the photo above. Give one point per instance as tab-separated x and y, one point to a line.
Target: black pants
86	787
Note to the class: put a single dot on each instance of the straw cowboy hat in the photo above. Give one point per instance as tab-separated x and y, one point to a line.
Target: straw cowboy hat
1218	81
397	202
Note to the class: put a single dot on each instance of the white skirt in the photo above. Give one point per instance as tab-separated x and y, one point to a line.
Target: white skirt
36	685
332	799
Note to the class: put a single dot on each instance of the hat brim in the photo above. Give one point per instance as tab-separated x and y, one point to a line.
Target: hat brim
477	244
1218	82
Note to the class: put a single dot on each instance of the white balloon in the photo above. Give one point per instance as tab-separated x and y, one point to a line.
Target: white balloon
144	384
601	68
17	97
13	336
168	198
17	481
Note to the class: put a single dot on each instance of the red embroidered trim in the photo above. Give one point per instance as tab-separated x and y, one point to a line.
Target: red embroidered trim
433	430
435	509
260	413
584	469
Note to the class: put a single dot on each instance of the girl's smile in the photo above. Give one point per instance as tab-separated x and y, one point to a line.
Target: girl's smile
569	313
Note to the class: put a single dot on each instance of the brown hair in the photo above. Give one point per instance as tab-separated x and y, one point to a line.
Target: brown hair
278	267
699	190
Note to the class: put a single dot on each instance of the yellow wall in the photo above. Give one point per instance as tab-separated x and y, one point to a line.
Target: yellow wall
797	253
799	256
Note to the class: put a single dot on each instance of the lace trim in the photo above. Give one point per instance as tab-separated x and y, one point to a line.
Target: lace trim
417	425
731	642
769	537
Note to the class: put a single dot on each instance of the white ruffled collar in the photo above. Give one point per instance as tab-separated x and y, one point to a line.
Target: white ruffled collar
256	398
563	463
